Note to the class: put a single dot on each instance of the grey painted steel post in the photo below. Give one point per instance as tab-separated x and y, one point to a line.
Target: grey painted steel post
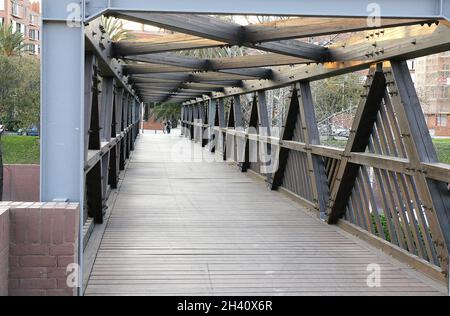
62	106
342	8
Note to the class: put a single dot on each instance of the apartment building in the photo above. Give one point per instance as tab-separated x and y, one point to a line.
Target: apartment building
432	79
24	16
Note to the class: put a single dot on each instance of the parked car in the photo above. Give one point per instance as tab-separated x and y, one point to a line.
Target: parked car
32	131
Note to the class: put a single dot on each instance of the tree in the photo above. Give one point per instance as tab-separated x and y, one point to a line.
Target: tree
167	111
336	94
114	28
11	43
19	92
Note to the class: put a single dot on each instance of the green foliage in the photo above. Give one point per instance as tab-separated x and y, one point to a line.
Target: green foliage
384	224
19	92
167	111
20	150
443	149
114	28
11	43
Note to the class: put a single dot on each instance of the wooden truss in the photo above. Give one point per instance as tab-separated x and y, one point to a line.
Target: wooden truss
160	75
387	181
389	159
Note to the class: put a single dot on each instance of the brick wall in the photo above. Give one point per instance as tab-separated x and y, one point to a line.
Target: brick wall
152	124
43	242
4	250
438	130
21	183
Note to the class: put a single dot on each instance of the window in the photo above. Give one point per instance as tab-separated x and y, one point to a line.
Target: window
2	5
18	27
442	120
446	70
16	9
34	35
34	19
444	92
1	20
33	49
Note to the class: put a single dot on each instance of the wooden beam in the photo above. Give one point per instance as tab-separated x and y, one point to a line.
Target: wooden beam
316	164
196	77
358	141
419	146
196	25
219	30
287	134
215	64
259	33
166	43
199	83
305	27
366	49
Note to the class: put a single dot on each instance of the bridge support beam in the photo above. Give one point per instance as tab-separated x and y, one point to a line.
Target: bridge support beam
63	107
345	8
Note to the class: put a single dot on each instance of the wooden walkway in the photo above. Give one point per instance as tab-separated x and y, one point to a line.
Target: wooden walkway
203	228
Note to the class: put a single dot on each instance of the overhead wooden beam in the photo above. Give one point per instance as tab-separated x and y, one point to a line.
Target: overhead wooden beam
219	30
201	26
366	48
197	77
259	33
134	69
171	60
204	83
215	64
167	43
305	27
186	87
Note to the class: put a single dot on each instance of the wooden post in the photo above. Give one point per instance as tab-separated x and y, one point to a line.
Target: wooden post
358	141
419	146
316	164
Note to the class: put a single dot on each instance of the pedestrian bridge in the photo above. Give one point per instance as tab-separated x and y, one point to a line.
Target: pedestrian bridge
228	206
206	228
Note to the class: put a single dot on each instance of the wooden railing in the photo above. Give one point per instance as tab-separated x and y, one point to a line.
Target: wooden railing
387	180
111	128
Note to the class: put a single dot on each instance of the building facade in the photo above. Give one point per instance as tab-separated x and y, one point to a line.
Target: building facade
432	80
25	17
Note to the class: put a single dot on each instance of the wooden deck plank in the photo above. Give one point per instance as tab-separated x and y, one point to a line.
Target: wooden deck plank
204	228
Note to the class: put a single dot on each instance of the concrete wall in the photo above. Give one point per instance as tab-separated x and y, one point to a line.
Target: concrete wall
4	250
21	183
43	241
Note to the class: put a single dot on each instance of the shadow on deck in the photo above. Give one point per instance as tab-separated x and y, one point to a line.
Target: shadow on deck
203	228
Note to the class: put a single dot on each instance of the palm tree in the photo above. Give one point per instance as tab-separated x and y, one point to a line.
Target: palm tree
11	43
114	28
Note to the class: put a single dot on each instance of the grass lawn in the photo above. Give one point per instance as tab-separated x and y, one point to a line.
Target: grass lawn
443	149
20	150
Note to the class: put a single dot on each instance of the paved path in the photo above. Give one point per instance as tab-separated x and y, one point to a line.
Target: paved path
203	228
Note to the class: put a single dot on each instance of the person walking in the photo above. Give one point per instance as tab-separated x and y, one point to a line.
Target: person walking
168	126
